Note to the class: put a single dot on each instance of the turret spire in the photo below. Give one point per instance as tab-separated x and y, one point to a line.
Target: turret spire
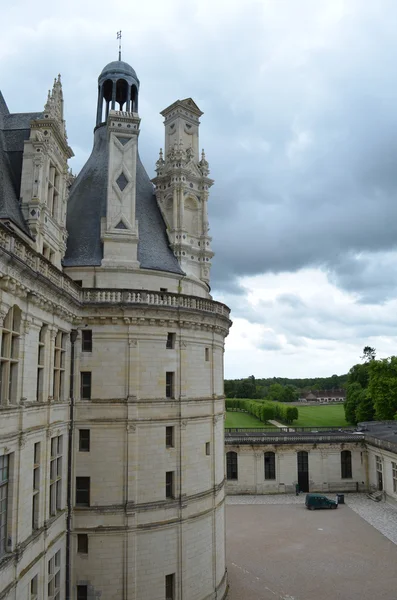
119	38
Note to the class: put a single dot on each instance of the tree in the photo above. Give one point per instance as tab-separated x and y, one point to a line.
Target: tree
276	392
383	387
369	354
354	395
365	410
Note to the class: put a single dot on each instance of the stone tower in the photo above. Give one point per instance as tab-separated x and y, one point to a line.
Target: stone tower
182	189
112	480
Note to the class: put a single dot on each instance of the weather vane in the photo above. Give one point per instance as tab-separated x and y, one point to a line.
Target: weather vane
119	38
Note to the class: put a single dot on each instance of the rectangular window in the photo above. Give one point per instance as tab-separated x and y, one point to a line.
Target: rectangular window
4	475
56	474
86	340
82	592
169	484
59	366
207	354
54	577
170	341
85	385
208	448
40	365
82	543
36	486
346	464
33	588
84	440
169	384
170	587
394	475
378	464
270	465
169	437
83	491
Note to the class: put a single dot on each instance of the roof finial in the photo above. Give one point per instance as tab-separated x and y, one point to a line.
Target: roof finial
119	38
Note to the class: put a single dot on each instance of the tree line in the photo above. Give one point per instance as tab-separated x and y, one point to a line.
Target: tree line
371	391
264	411
280	389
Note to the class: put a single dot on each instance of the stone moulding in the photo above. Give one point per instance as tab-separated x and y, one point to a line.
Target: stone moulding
39	276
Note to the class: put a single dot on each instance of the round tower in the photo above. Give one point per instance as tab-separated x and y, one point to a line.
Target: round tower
148	436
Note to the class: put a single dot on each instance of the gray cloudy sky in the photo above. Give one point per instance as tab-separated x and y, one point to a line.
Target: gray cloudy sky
300	129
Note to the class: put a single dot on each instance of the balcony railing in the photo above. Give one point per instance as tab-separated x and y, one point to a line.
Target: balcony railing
35	261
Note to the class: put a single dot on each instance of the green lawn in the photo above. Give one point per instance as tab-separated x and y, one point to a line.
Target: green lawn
321	416
241	419
309	416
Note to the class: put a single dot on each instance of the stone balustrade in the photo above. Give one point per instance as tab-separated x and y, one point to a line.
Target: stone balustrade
35	261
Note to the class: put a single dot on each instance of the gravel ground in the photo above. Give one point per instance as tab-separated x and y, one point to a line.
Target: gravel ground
276	551
381	515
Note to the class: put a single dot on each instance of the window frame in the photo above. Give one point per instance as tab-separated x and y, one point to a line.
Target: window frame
170	384
54	577
36	486
84	440
9	356
394	476
170	586
269	459
346	464
80	489
56	468
86	340
231	465
82	592
4	499
58	384
171	339
170	484
82	543
170	436
85	385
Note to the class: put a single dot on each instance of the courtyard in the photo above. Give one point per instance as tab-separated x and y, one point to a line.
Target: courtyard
278	550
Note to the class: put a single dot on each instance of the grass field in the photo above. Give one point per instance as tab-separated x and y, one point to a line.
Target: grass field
240	419
321	416
309	416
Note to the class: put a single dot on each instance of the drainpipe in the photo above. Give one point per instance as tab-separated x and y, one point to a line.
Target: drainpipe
73	338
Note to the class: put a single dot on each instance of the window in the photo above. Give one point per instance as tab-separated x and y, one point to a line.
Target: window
82	543
53	190
85	385
169	437
394	476
169	384
56	475
208	448
231	465
59	365
270	465
378	464
84	440
40	364
170	341
170	587
10	356
82	592
207	354
346	464
86	340
169	484
83	491
33	588
54	577
4	475
36	486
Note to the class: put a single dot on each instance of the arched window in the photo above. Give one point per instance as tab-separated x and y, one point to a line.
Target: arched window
9	359
231	465
270	465
346	464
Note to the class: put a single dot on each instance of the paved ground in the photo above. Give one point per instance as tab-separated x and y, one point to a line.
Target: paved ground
278	550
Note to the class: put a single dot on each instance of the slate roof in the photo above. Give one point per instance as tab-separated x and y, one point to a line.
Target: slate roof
14	130
87	205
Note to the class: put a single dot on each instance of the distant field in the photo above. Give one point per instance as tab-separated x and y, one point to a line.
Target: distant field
240	419
309	416
321	416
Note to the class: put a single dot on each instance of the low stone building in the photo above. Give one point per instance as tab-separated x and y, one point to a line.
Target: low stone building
364	460
274	463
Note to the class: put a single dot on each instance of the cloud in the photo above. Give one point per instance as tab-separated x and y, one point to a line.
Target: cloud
300	131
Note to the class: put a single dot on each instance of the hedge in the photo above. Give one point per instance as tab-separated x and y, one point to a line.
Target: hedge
264	411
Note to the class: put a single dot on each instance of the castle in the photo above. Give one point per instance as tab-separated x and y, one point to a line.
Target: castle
112	476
